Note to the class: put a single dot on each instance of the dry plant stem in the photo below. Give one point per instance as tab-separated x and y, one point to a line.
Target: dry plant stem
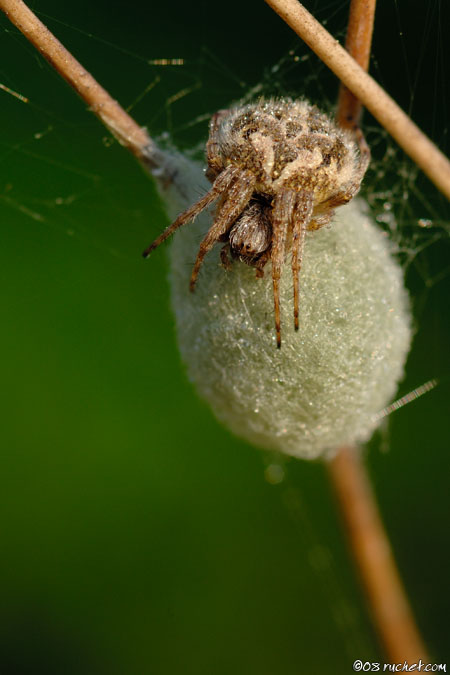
136	139
387	599
387	112
358	43
119	123
390	608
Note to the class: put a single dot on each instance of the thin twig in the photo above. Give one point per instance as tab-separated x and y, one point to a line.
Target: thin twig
388	602
113	116
426	155
358	43
390	608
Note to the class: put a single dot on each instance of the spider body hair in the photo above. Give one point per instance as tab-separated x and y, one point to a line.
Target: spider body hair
278	169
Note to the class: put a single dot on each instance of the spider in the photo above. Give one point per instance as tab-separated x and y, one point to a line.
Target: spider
278	169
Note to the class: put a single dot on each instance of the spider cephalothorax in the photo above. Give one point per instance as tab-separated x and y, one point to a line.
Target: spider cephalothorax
278	168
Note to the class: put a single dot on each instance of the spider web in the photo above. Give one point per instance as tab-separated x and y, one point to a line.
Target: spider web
76	213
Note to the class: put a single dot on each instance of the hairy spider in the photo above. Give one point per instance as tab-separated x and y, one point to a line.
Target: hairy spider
278	169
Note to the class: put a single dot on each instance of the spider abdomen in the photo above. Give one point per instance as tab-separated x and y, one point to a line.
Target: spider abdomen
286	145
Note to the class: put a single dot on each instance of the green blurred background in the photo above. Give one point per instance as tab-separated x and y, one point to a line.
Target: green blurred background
138	536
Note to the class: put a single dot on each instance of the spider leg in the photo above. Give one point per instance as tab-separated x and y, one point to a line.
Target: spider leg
237	198
262	261
349	190
224	259
320	221
340	198
213	154
220	185
282	214
302	217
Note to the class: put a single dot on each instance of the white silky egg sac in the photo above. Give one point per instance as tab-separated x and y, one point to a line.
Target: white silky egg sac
324	387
